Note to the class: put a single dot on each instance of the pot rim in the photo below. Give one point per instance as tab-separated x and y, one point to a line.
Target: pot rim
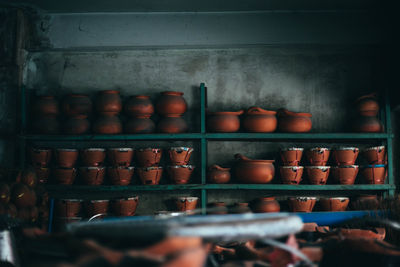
219	168
121	167
121	149
342	148
375	148
150	168
224	113
292	148
318	167
92	168
183	148
126	198
140	96
292	167
98	200
256	111
67	149
334	198
320	148
172	93
346	166
94	149
189	199
374	166
149	149
302	198
181	166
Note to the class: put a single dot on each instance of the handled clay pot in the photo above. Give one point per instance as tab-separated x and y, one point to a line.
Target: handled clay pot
367	125
334	203
266	204
258	120
96	207
218	175
172	125
291	156
125	206
93	156
345	174
68	207
179	155
302	204
120	156
150	175
291	174
77	105
107	125
45	105
171	103
92	175
139	105
292	122
254	171
318	175
367	105
375	155
46	124
65	176
108	102
374	174
180	174
42	175
318	156
40	157
76	125
223	122
66	157
140	125
217	208
120	175
5	193
186	203
345	155
147	157
241	207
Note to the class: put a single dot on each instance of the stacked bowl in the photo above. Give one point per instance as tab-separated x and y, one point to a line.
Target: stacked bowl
120	171
345	172
375	172
291	172
148	160
179	171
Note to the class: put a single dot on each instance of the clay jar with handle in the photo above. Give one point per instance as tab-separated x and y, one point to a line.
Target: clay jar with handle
65	176
40	157
93	156
266	204
367	105
374	174
375	155
318	175
139	105
179	155
108	102
120	156
107	124
186	203
120	175
253	171
77	105
92	175
302	204
140	124
291	156
66	157
218	175
345	174
291	174
334	203
125	206
259	120
150	175
78	124
172	124
96	207
365	124
171	103
224	121
147	157
68	207
318	156
46	124
293	122
45	105
345	155
180	174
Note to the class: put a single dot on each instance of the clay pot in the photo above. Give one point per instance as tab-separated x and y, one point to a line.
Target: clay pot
108	102
180	174
302	204
345	155
218	208
140	125
292	122
45	105
148	157
186	203
366	202
374	174
171	103
107	124
22	196
291	156
120	156
40	157
68	207
139	105
172	125
318	156
266	204
46	125
120	175
242	207
125	206
291	174
150	175
180	155
218	175
345	174
334	203
254	171
96	207
76	125
65	176
5	193
42	175
258	120
367	125
367	105
77	105
28	177
66	157
93	156
224	121
375	155
317	175
92	175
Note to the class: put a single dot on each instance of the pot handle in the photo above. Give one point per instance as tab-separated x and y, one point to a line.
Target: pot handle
216	167
241	157
255	110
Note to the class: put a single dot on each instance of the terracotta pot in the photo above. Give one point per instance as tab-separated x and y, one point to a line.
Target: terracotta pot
171	103
302	204
65	176
45	105
186	203
108	102
224	122
259	120
46	125
366	202
242	207
345	155
367	105
22	196
66	157
292	122
92	175
334	203
93	156
367	125
140	125
291	156
77	105
291	174
218	175
27	177
107	125
120	175
172	125
375	155
96	207
148	157
180	174
180	155
318	156
345	174
76	125
139	105
150	175
5	193
42	175
254	171
317	175
40	157
266	204
120	156
68	207
217	208
374	174
125	206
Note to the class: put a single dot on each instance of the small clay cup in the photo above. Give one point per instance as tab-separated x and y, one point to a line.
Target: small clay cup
375	155
40	157
345	174
318	175
180	155
374	174
120	156
120	175
318	156
266	204
291	156
150	175
186	203
66	157
96	207
125	206
92	175
334	203
180	174
291	174
345	155
148	157
93	157
302	204
218	175
65	176
68	207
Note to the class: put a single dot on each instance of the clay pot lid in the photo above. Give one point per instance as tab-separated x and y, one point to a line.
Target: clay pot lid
219	168
335	198
189	199
375	148
172	93
181	166
91	168
150	168
346	148
140	96
224	113
346	166
259	111
287	113
292	149
319	149
95	149
121	167
67	149
157	150
302	198
98	200
292	167
374	166
181	148
121	149
247	160
318	167
109	92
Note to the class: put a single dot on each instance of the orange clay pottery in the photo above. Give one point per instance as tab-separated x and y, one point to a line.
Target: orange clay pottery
317	175
217	208
139	105
46	124
40	157
363	234
96	207
93	156
108	102
366	202
120	175
258	120
148	157
28	177
140	124
150	175
77	105
22	196
266	204
241	207
302	204
345	174
125	206
291	174
367	125
45	105
92	175
5	193
76	125
179	155
375	155
367	105
171	103
345	155
291	156
66	157
107	125
120	156
65	176
318	156
68	207
292	122
374	174
186	203
253	171
334	203
172	124
180	174
218	175
224	121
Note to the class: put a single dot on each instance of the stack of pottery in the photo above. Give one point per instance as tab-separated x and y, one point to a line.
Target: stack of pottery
375	172
148	160
76	109
45	110
108	106
40	160
291	172
186	204
139	108
64	171
334	203
124	207
93	170
367	108
171	106
96	208
317	171
179	171
302	204
67	211
120	171
345	172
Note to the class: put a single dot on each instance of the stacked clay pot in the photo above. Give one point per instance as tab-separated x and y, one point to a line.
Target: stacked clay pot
179	170
317	171
375	172
76	110
64	171
120	171
186	204
367	108
148	160
40	160
45	110
171	106
291	172
67	211
140	109
108	106
92	171
345	171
